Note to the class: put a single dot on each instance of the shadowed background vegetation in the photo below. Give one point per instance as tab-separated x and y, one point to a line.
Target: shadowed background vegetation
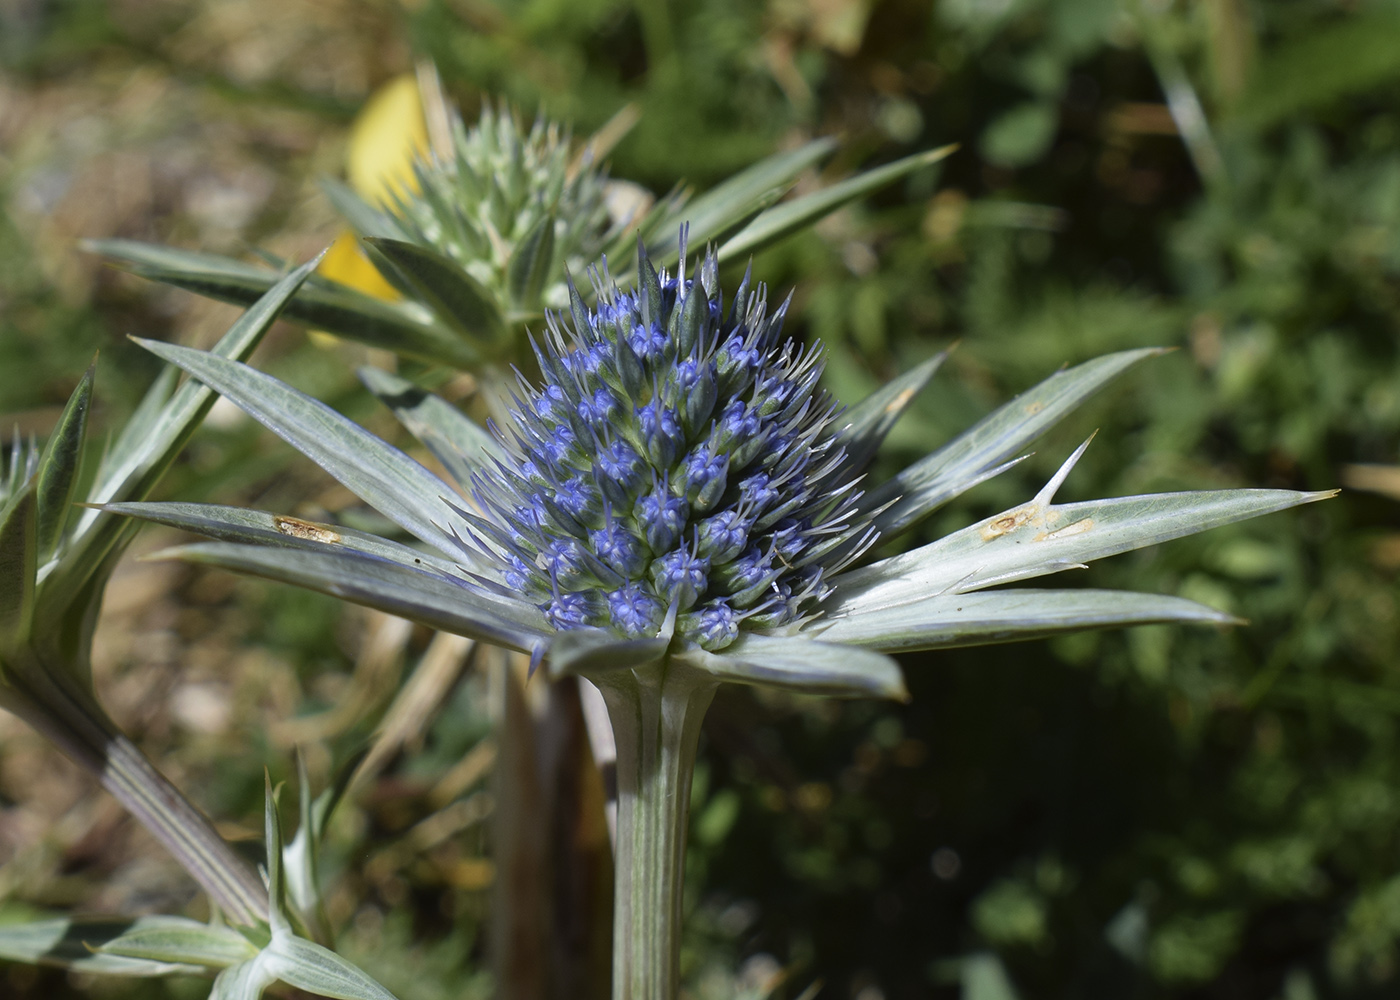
1142	814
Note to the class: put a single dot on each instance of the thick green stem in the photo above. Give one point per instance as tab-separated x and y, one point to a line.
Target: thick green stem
656	713
80	728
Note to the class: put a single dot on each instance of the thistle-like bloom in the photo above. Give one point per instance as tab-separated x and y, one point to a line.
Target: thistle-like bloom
676	460
674	504
676	478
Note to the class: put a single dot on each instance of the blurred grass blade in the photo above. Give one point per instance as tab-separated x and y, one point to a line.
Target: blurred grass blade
585	652
939	477
321	304
802	665
1041	538
531	265
455	440
716	212
868	422
453	295
256	527
310	967
179	940
73	943
948	620
18	567
378	473
787	218
449	607
1346	56
57	475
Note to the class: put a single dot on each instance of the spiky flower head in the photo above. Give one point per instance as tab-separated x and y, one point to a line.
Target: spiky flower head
675	459
502	187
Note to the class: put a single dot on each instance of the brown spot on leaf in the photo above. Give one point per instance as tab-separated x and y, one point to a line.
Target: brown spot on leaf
298	528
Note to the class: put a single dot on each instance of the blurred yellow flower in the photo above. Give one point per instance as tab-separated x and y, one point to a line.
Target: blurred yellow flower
389	133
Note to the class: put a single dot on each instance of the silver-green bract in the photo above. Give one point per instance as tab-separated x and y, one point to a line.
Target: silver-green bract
550	523
481	248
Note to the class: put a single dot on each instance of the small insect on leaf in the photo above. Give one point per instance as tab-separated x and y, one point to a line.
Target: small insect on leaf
298	528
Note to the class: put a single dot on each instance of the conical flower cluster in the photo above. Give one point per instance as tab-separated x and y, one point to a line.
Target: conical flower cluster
675	460
501	187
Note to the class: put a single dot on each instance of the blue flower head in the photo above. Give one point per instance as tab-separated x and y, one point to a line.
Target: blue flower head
673	468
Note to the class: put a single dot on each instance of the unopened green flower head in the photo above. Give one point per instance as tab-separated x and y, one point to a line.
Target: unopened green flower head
478	202
674	465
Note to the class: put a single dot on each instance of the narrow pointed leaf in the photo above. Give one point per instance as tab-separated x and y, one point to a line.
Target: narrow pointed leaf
802	665
587	652
363	217
377	472
1038	539
440	283
939	477
179	940
404	328
166	428
276	883
787	218
145	421
301	857
458	442
18	566
308	966
715	213
256	527
57	475
531	264
420	597
868	422
949	620
69	943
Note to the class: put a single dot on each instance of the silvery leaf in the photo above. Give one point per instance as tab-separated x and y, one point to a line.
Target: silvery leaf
802	665
404	328
70	942
865	425
57	475
310	967
376	583
178	940
984	448
458	442
787	218
1043	537
587	652
388	480
941	621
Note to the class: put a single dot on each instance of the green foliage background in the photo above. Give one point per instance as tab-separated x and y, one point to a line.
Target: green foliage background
1153	813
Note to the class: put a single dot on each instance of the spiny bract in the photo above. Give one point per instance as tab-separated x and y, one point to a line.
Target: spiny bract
675	460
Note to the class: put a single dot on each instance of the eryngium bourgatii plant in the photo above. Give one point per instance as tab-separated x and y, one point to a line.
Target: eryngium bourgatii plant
478	247
675	505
